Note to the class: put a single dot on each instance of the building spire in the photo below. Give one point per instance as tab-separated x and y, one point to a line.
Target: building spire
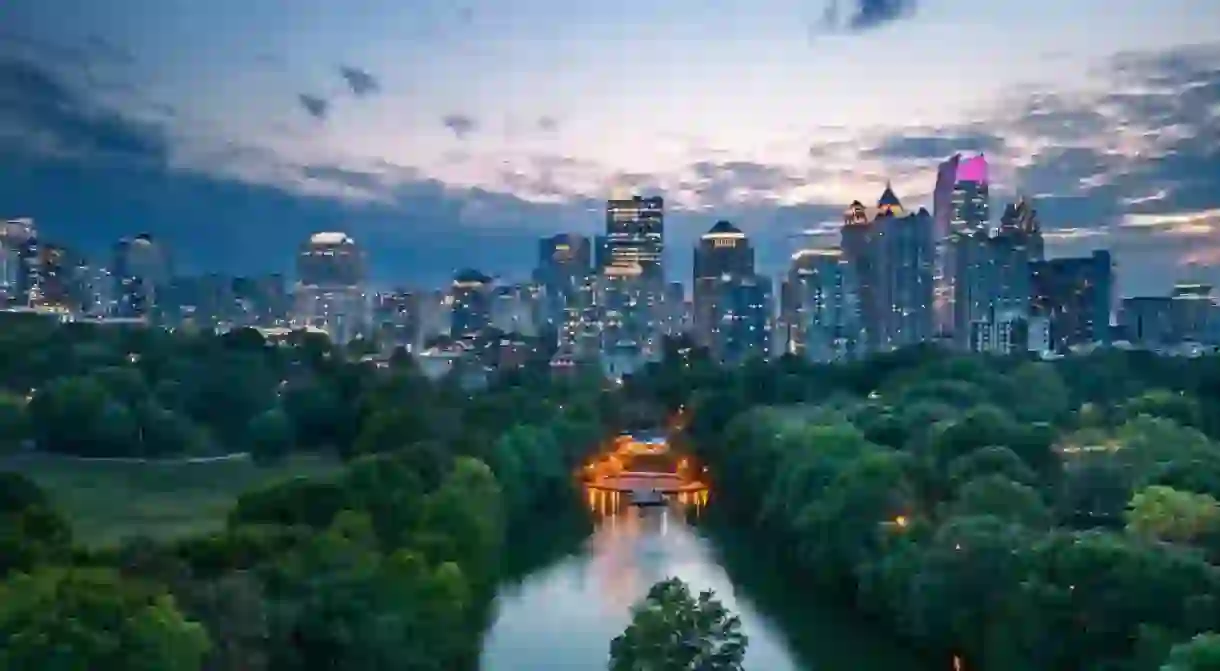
889	204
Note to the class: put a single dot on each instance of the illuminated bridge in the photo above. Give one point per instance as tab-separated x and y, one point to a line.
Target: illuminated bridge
645	462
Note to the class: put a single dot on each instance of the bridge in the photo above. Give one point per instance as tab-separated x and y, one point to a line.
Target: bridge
639	463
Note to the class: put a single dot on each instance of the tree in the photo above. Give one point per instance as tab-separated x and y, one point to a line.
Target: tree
270	436
1168	514
93	619
1201	653
673	630
14	422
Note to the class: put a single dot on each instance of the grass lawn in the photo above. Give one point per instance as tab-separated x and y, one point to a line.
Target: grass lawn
107	501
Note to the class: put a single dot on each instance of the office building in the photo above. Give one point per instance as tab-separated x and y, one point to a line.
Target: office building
330	293
902	252
564	261
1147	321
141	268
1074	296
471	307
820	310
742	319
856	242
723	250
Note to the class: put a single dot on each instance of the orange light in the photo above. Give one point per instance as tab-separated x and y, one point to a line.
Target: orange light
901	521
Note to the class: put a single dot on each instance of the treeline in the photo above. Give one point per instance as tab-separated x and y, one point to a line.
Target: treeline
1013	514
390	564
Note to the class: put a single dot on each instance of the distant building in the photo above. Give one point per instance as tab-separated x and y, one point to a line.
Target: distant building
330	293
821	310
741	319
141	269
1074	295
723	250
1147	321
564	263
902	258
472	297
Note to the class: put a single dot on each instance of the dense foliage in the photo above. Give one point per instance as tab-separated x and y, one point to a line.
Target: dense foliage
1014	514
390	564
674	630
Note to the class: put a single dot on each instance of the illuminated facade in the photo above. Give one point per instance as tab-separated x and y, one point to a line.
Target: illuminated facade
857	245
741	319
902	257
471	309
633	275
564	263
970	209
821	306
1074	296
943	275
723	250
141	269
330	294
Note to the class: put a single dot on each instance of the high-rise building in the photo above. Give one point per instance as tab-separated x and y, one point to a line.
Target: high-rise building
973	260
581	327
564	261
141	268
512	309
633	270
472	297
15	241
396	319
742	319
1147	321
1074	296
902	249
821	310
723	250
970	200
1191	311
635	234
330	293
856	241
942	271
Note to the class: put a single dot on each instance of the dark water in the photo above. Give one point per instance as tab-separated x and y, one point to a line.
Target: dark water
562	616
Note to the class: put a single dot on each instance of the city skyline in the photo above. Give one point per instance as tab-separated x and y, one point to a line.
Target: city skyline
234	133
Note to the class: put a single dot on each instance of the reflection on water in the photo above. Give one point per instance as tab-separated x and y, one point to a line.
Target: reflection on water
563	616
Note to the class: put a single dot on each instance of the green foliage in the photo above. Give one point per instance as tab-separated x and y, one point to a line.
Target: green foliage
270	436
86	619
1201	653
674	630
977	504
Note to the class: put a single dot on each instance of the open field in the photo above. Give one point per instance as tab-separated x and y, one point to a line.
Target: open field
107	501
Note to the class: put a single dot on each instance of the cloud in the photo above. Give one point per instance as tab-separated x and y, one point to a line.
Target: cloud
548	124
361	82
461	124
864	15
41	112
314	106
936	146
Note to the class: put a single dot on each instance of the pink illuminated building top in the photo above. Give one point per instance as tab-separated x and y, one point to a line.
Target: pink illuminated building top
973	170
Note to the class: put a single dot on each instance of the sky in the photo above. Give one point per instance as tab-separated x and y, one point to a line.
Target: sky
443	134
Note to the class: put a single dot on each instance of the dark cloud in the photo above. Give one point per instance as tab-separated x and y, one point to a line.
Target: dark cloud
361	82
461	124
314	106
864	15
548	124
101	47
935	146
41	112
356	179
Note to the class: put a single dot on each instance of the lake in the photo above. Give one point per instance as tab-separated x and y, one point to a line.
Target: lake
563	615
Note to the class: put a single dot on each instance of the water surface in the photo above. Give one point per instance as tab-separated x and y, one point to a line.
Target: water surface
564	615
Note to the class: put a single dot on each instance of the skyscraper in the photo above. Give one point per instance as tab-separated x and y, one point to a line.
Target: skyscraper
634	278
723	250
330	293
471	304
856	241
1074	296
973	258
821	305
970	205
564	261
635	234
902	248
942	270
741	319
141	268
